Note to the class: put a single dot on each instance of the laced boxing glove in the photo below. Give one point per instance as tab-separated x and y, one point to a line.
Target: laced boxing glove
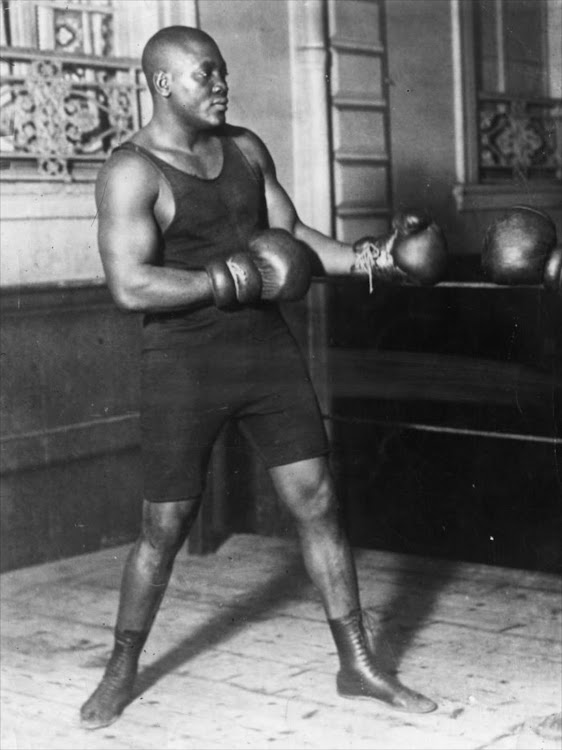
414	252
234	280
518	248
283	264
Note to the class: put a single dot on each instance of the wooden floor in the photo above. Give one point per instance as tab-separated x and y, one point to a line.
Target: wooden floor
240	655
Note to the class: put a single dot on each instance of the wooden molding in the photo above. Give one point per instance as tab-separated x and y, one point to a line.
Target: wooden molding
475	197
71	442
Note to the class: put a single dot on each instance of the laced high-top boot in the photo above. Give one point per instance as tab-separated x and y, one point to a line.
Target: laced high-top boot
360	678
115	690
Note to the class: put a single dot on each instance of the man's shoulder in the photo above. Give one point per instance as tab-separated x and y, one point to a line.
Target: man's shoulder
127	160
126	168
127	164
247	141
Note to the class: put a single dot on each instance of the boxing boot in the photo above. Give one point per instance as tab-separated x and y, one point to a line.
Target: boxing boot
360	678
115	690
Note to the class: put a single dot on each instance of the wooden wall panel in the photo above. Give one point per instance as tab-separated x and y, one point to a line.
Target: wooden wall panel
359	20
359	130
69	418
357	74
358	88
358	182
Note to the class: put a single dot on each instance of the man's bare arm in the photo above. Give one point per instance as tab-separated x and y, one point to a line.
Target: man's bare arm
335	257
129	237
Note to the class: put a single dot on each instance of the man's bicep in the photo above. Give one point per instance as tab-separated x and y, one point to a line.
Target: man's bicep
127	231
280	209
131	237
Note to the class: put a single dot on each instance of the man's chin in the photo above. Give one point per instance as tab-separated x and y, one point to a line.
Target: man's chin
217	121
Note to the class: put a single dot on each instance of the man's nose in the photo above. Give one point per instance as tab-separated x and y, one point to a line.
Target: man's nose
219	85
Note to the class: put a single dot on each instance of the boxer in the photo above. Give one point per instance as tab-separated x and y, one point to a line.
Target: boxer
197	233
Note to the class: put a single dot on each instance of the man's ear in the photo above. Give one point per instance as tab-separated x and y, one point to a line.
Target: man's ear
161	82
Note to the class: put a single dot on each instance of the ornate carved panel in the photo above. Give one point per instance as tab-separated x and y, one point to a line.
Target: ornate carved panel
519	137
60	113
65	101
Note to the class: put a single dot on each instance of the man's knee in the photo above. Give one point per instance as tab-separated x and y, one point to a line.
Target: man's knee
165	526
307	489
317	500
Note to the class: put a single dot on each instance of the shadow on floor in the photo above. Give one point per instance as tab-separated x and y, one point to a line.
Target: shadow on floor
399	619
292	583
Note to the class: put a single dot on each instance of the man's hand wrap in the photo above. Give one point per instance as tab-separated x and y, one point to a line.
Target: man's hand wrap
414	252
234	280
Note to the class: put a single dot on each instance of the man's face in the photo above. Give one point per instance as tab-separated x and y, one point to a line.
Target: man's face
199	92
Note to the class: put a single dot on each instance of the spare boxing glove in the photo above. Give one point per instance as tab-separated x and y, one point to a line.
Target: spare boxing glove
553	271
283	264
234	280
517	246
415	252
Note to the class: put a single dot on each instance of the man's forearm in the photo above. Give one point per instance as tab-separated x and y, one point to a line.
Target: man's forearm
336	257
156	289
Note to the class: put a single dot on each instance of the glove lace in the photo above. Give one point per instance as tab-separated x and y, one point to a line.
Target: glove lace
375	254
239	275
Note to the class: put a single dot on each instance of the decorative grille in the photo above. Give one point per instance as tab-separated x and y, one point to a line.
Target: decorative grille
519	137
65	103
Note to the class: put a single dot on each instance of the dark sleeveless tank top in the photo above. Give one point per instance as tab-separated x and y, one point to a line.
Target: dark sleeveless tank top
213	218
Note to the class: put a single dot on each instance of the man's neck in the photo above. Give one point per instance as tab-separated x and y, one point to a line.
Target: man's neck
170	134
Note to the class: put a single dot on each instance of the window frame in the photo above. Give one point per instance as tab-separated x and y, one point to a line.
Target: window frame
471	192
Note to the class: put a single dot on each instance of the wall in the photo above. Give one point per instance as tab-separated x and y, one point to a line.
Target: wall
421	108
447	405
254	40
48	234
69	466
426	81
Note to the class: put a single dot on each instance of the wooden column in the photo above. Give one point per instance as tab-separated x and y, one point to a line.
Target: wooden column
312	158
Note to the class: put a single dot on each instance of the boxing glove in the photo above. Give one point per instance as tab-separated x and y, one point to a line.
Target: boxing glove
283	264
414	252
517	247
234	280
552	278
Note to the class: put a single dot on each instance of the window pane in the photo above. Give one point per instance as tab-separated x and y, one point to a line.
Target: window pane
525	47
512	46
518	120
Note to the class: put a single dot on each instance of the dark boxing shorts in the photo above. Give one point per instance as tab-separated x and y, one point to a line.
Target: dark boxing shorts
251	372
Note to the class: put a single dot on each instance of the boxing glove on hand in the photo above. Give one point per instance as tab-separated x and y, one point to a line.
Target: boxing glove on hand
283	264
517	247
234	280
415	252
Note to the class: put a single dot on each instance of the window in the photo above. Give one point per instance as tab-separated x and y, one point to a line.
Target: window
66	99
513	91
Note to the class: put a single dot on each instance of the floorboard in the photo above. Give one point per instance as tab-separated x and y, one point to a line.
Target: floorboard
240	655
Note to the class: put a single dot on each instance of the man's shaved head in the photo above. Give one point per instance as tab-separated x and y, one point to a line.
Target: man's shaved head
157	51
